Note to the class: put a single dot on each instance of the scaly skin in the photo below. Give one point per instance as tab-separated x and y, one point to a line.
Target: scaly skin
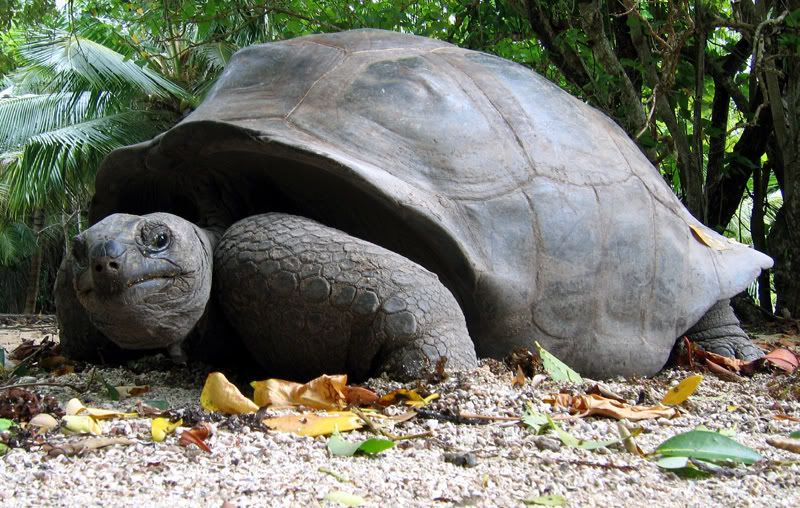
307	299
718	331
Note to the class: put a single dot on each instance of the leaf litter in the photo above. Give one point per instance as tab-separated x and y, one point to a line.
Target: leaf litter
568	432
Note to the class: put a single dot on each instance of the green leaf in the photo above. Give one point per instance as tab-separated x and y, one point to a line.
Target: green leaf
2	357
681	467
553	500
345	498
341	448
111	391
158	404
557	369
538	422
795	434
5	424
4	449
573	442
705	445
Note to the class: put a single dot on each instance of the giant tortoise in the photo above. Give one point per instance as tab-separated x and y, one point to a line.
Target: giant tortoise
370	201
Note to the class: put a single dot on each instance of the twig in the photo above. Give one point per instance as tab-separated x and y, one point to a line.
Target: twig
44	383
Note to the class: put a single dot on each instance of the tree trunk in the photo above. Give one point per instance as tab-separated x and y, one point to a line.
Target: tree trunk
36	265
760	183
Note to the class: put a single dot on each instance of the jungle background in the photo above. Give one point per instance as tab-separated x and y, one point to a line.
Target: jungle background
710	90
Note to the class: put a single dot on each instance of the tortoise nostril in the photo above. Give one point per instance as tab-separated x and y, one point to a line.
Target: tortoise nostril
98	268
113	265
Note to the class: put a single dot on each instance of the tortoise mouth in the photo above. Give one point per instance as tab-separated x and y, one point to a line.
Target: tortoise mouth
144	279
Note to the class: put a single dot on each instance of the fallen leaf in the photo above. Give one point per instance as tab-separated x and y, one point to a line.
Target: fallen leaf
782	359
43	422
681	392
81	424
219	394
344	498
538	422
593	404
791	418
627	439
722	372
76	407
707	238
558	370
197	436
340	447
324	392
792	445
161	427
146	408
552	500
84	445
795	434
519	378
132	391
409	397
310	424
605	391
6	424
709	446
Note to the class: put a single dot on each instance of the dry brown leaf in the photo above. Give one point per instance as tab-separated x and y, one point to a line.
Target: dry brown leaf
586	405
783	359
311	424
132	391
197	436
324	392
785	443
519	377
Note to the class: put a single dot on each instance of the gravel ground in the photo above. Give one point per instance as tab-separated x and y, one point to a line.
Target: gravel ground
252	467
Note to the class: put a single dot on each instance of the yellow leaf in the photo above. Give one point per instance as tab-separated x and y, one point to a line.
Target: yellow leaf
76	407
140	11
219	394
709	239
81	424
161	427
324	392
678	394
310	424
410	397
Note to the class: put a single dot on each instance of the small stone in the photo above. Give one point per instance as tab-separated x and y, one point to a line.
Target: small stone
461	459
547	443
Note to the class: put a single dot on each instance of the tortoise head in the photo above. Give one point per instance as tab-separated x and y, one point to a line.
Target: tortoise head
144	280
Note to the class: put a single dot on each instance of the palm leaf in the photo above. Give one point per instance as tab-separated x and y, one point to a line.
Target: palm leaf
62	163
79	63
27	115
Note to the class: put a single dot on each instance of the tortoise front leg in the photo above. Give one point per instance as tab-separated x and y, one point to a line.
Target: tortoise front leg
308	299
718	331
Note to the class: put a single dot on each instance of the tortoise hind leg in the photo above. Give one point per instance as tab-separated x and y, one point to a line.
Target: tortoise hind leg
718	331
308	300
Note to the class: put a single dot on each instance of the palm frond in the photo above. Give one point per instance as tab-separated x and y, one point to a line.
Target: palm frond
216	54
80	63
63	162
31	114
17	242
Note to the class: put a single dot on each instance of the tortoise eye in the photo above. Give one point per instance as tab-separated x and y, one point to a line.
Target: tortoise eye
156	238
160	241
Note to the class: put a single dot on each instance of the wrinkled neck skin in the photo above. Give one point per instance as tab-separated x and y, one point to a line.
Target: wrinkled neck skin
144	281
